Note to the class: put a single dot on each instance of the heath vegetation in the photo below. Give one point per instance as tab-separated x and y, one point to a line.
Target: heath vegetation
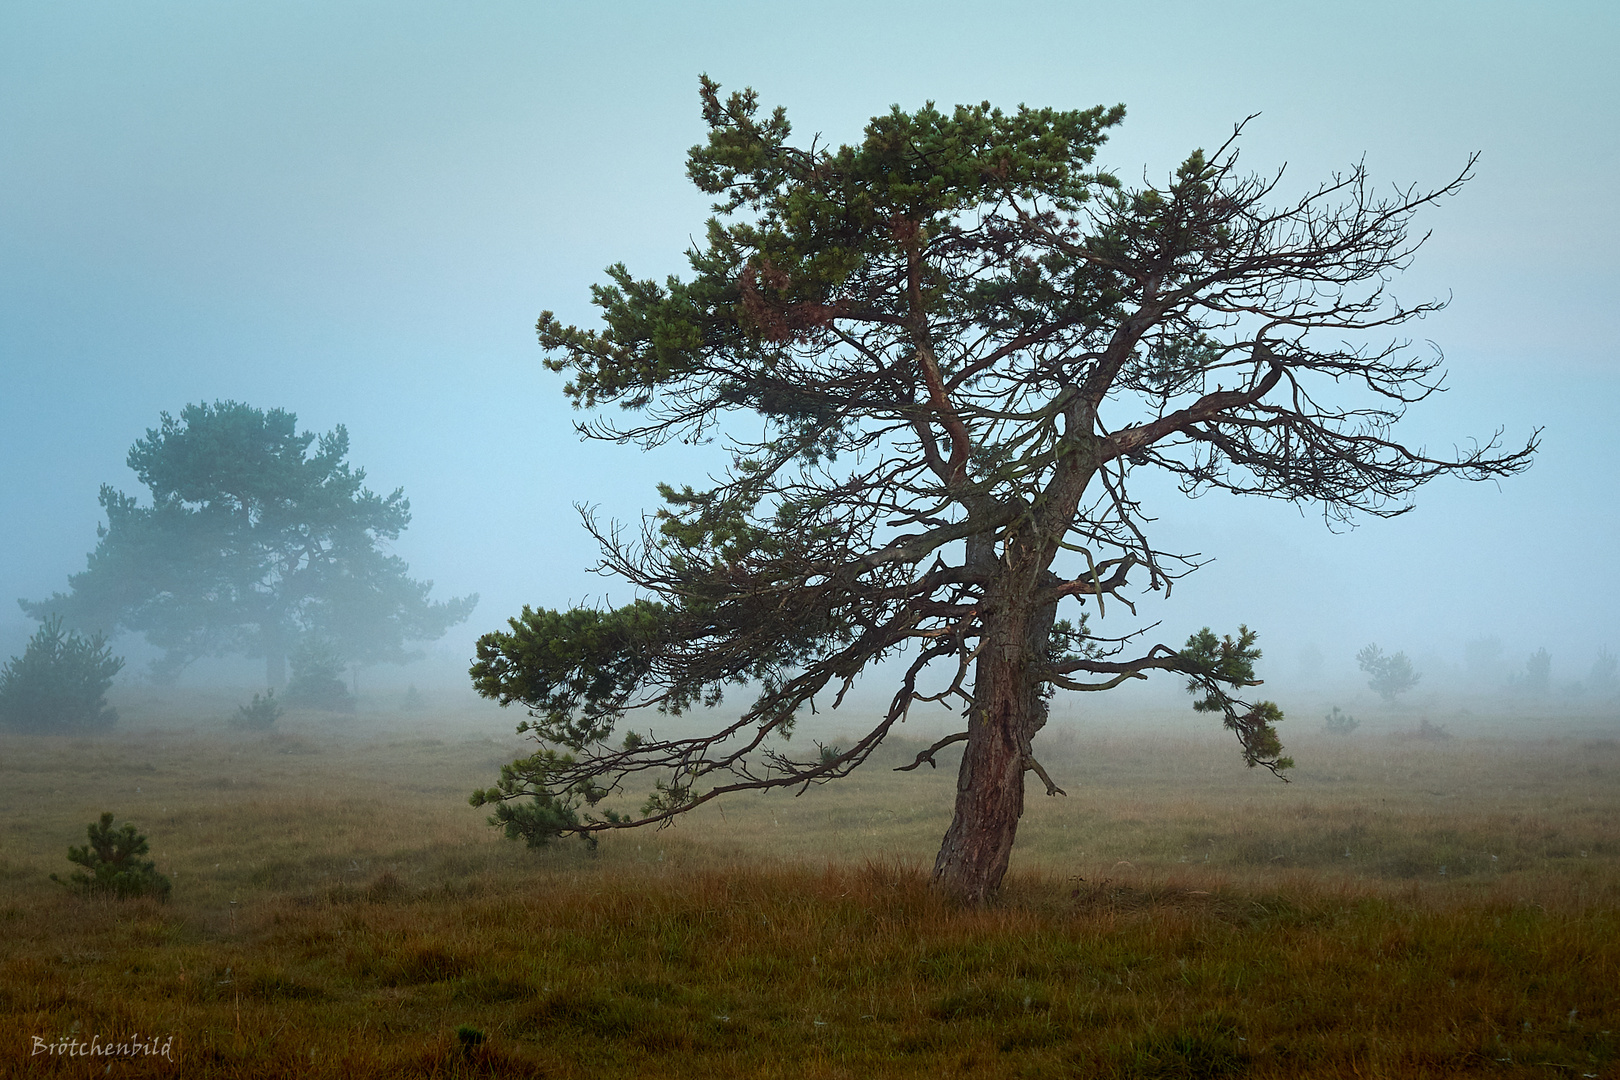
1402	908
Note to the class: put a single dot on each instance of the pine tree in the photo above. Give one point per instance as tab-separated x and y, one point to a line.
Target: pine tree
957	341
1392	675
256	536
113	865
59	683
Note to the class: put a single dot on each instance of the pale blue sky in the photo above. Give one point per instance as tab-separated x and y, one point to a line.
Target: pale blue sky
355	211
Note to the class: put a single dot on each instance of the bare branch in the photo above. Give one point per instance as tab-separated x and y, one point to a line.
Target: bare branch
928	754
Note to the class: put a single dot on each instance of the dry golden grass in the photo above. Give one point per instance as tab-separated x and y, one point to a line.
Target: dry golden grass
339	911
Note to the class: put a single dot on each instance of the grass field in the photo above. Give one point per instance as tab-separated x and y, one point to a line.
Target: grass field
1404	908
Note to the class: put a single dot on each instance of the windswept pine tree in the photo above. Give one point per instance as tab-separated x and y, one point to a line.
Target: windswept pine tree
964	342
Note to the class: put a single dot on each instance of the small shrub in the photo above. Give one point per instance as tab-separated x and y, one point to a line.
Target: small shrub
1432	732
113	861
1538	672
316	681
1340	723
59	683
414	701
260	715
470	1039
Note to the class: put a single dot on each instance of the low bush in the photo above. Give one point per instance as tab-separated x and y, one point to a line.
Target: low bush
261	714
317	681
1340	723
113	866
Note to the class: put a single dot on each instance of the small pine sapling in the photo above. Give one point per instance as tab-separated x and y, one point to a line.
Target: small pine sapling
470	1039
113	861
1340	723
261	714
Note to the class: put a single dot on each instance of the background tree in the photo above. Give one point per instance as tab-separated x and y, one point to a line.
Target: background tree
1603	670
963	340
1538	672
59	683
255	535
1392	675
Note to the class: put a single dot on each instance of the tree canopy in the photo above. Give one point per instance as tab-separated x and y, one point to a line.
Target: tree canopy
256	537
964	340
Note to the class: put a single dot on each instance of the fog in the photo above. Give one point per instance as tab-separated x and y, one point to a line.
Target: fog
356	212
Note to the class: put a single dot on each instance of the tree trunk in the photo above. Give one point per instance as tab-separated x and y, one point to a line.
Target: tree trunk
1008	710
989	801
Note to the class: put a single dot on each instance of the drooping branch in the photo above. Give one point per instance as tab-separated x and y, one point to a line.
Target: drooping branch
928	754
1035	766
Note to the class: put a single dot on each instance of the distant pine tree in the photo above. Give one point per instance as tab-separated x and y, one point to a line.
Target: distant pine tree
1603	671
59	682
317	681
1538	672
1391	675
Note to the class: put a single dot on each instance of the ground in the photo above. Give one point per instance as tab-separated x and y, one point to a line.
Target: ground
1407	907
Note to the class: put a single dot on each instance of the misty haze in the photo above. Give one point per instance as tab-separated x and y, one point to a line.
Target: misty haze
523	559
